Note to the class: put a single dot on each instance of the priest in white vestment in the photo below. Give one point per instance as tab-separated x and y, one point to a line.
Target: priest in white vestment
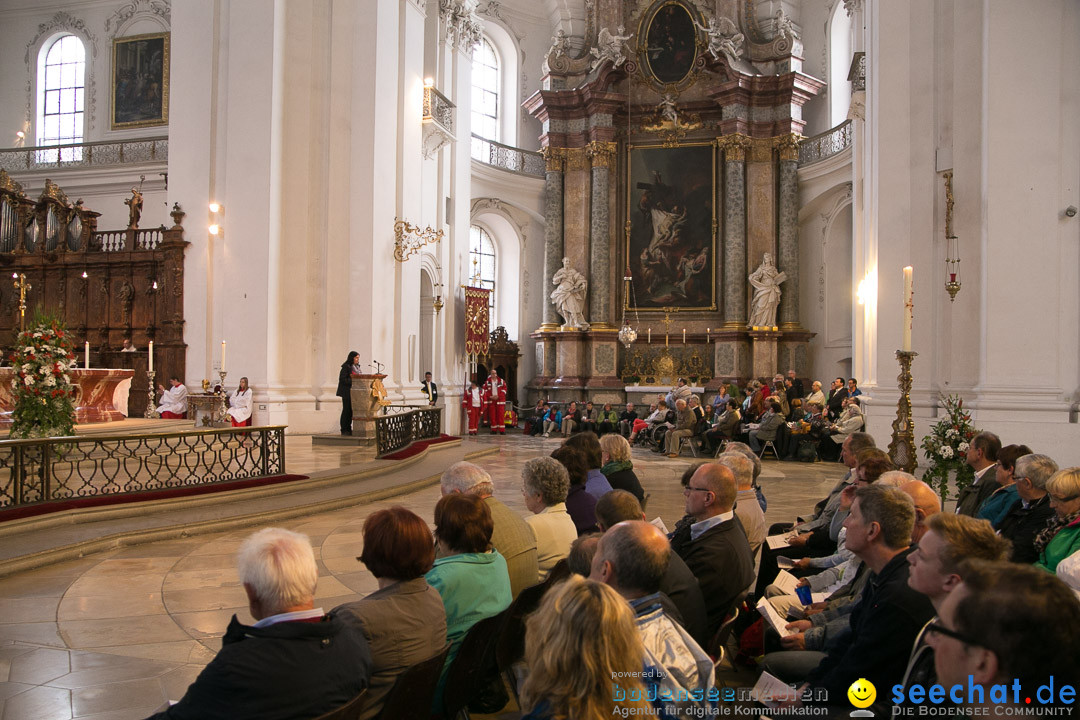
173	401
240	405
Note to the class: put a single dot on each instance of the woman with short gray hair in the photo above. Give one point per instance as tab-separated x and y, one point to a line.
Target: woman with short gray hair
545	484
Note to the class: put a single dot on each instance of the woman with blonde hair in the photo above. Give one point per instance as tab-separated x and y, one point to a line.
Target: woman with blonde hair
584	655
617	467
1061	537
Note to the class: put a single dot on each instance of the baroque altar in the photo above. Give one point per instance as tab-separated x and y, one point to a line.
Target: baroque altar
101	395
671	150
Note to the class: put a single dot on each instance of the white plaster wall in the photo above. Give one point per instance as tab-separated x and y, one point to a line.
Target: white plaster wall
989	90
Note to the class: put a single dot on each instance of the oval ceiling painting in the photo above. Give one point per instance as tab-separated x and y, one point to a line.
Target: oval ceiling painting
671	43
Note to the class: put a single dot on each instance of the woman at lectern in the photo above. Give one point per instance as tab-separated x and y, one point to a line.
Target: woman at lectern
344	390
240	405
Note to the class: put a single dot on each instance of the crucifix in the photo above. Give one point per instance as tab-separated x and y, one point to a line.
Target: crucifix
667	322
23	287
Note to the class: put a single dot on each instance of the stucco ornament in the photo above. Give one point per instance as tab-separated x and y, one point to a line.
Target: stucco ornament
724	38
560	44
569	296
766	283
610	47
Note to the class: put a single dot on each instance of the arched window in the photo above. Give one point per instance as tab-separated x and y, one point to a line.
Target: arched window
839	64
482	262
61	97
485	91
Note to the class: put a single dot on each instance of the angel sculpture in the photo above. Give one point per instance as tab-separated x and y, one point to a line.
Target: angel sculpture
724	38
610	47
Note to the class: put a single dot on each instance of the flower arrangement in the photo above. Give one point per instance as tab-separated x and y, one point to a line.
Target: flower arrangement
946	447
42	388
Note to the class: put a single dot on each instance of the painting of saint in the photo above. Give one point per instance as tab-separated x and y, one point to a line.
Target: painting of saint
140	88
671	43
671	249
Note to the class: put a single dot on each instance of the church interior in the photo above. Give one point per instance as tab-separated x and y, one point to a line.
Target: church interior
561	201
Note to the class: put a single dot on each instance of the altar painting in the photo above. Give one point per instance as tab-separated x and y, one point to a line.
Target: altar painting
671	247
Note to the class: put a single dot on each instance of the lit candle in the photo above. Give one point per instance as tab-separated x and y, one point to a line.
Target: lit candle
86	358
684	336
222	356
708	335
151	351
908	307
650	336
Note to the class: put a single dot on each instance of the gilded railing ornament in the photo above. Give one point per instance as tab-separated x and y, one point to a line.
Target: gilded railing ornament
410	239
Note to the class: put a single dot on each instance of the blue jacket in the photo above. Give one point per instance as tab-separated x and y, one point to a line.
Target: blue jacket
997	505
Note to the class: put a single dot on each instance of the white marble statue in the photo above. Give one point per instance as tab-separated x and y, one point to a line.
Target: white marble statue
569	296
668	109
766	282
784	28
610	47
724	38
560	44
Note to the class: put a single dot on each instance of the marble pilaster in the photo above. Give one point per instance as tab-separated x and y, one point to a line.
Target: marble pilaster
787	260
735	269
600	251
553	230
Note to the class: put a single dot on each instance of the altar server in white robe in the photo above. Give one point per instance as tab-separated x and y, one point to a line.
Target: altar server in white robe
173	401
240	405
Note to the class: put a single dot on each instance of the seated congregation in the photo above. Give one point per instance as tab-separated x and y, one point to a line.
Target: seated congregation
769	416
583	609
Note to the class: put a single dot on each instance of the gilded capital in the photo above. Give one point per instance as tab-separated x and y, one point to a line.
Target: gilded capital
554	158
788	145
761	150
735	147
601	153
576	159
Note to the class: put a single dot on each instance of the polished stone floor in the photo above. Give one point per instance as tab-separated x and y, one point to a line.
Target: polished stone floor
115	634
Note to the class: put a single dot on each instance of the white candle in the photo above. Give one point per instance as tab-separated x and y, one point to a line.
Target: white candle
684	336
86	358
650	336
151	356
222	356
908	307
708	335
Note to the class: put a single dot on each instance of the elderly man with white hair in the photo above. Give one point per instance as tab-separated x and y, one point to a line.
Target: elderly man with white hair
512	537
747	508
295	661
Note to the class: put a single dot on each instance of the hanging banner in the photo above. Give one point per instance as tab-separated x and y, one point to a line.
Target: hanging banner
477	334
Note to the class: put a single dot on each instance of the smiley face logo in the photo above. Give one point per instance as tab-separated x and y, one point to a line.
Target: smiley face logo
862	693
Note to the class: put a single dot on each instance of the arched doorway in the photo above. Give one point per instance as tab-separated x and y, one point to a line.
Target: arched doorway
427	324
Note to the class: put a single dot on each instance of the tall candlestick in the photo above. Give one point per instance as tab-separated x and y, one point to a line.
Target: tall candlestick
86	357
151	356
222	356
908	307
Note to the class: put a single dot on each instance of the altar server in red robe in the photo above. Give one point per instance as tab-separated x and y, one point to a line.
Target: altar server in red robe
494	395
473	403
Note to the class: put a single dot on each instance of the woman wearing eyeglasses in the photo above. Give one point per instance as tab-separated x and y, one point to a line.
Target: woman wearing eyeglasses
1061	538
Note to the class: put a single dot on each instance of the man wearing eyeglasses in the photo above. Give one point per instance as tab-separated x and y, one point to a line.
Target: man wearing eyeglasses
978	642
1029	514
714	545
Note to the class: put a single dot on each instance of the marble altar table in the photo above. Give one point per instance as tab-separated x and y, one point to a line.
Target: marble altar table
101	395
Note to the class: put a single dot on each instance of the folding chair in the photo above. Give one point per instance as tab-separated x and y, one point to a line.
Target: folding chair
474	663
769	446
348	711
410	697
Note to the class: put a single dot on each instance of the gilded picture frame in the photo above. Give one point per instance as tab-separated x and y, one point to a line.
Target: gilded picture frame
669	47
139	94
671	236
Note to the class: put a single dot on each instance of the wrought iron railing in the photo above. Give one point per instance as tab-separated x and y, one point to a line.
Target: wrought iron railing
45	470
826	144
405	424
90	154
505	157
439	109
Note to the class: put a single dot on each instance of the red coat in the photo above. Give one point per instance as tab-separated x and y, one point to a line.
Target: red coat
494	391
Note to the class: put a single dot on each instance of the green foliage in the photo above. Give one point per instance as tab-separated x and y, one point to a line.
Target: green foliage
946	447
42	388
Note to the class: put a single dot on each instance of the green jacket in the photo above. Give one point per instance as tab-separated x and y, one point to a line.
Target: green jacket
1064	544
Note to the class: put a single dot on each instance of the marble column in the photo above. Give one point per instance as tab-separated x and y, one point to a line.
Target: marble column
787	260
735	272
600	293
553	230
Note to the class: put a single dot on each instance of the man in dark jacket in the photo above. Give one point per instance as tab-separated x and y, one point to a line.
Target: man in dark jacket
837	394
982	457
890	613
430	390
1030	513
714	546
295	661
